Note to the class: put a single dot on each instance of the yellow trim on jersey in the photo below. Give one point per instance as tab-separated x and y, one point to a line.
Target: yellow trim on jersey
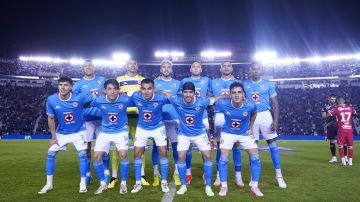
129	85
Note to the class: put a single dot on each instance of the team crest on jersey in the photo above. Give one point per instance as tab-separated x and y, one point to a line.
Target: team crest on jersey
68	117
197	108
121	106
74	104
113	117
245	113
235	124
255	97
197	93
189	120
147	116
155	104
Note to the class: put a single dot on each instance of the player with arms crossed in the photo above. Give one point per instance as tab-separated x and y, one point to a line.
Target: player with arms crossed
91	83
114	130
202	89
344	114
240	116
150	125
260	92
219	87
170	117
67	108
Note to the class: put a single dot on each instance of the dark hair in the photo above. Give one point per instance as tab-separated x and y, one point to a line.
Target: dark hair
114	82
147	80
236	84
66	79
188	86
254	63
332	95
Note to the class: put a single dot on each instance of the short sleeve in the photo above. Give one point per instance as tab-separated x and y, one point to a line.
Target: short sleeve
49	109
272	91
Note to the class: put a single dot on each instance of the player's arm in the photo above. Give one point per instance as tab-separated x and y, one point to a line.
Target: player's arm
275	107
252	120
52	125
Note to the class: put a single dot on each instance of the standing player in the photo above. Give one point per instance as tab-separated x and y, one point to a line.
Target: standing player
192	130
91	83
150	125
170	117
261	92
202	88
219	87
114	130
344	114
67	109
239	121
129	83
330	126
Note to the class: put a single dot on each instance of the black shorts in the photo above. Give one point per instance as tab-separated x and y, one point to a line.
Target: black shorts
331	133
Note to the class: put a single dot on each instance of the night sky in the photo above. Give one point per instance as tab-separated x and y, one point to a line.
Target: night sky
91	29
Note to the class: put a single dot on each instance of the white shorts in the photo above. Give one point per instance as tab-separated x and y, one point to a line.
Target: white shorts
142	136
227	141
172	130
91	128
78	139
202	142
262	125
218	124
206	123
104	140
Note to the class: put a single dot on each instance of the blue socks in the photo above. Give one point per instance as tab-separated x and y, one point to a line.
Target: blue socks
223	168
255	166
164	165
188	158
137	168
175	152
106	161
83	163
275	154
208	166
218	154
155	155
99	170
124	169
237	159
182	172
50	163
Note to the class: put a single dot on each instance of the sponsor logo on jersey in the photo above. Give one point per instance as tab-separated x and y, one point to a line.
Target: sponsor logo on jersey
198	92
68	117
235	124
113	117
189	120
255	97
147	116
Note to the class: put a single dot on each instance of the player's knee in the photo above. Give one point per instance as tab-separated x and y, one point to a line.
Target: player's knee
163	152
255	158
97	157
82	154
271	141
272	145
349	147
341	146
224	159
123	156
207	156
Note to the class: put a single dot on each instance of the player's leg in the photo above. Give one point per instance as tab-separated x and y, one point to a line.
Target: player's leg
155	160
237	165
122	142
171	128
331	136
90	130
141	138
79	141
226	145
341	142
350	143
102	145
114	167
346	152
159	135
183	146
218	123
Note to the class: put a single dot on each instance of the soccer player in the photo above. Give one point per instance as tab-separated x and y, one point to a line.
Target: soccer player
114	130
202	89
240	116
150	125
344	114
91	83
192	130
330	126
129	83
261	92
219	87
170	117
67	108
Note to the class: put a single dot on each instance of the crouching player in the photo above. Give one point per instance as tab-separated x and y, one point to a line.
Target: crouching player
239	121
114	130
67	108
150	125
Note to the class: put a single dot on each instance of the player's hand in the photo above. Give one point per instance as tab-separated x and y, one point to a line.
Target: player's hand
52	142
274	126
251	134
326	139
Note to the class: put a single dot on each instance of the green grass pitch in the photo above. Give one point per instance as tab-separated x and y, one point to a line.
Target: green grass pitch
308	175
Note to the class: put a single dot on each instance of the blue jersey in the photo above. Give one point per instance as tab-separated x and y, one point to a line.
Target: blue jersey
114	118
149	110
221	87
202	85
68	112
260	93
172	86
237	120
95	86
190	115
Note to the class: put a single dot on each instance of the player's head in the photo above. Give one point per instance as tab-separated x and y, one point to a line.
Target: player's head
226	68
341	100
166	68
255	71
237	93
88	68
65	85
147	88
132	66
188	92
111	87
332	99
195	69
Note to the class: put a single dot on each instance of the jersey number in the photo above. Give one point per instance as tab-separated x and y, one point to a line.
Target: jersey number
345	117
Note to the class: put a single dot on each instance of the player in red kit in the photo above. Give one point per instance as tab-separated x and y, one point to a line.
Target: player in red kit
344	114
